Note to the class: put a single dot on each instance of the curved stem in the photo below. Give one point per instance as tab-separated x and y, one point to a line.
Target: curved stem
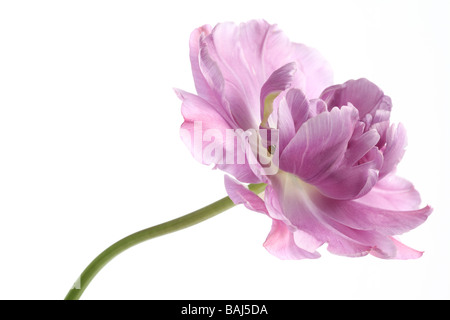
167	227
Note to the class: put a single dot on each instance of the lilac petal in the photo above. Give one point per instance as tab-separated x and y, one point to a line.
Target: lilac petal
319	144
317	154
280	242
301	210
392	193
359	216
241	195
246	56
201	85
298	106
201	117
285	124
278	81
293	111
361	93
396	141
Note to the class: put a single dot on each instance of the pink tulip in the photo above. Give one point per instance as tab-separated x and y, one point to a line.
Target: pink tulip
333	148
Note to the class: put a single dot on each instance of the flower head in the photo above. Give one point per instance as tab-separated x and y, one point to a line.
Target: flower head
333	148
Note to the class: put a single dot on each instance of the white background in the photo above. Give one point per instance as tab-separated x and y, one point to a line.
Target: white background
90	149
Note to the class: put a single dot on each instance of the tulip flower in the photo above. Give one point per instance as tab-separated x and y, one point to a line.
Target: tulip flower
318	159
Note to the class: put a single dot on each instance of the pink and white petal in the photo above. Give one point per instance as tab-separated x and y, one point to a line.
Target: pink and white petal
319	145
396	141
241	195
280	242
403	252
392	193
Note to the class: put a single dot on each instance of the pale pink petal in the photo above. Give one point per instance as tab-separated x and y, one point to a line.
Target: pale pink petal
241	195
203	88
403	252
280	242
317	71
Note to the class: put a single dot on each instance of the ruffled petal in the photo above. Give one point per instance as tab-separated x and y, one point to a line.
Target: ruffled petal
319	145
348	227
361	93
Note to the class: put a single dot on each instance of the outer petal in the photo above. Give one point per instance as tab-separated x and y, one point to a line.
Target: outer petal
317	72
403	252
281	243
246	56
241	195
205	129
300	212
359	216
201	85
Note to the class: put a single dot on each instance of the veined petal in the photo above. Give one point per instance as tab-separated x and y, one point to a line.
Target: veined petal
301	210
241	195
292	111
319	145
361	93
204	130
201	85
359	216
280	242
396	142
392	193
403	252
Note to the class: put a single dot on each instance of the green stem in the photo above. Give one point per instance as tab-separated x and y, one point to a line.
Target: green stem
165	228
